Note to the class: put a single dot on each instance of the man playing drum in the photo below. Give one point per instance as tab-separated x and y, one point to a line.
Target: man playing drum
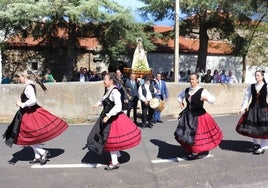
146	93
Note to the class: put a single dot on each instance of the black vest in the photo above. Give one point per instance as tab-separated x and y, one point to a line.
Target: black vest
107	104
260	97
195	106
151	88
23	97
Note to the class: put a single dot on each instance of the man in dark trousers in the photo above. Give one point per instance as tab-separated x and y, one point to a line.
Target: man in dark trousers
146	93
132	87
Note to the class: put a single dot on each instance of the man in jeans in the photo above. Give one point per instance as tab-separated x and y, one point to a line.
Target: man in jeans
162	94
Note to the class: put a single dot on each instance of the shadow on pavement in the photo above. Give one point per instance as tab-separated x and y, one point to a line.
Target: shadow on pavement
92	157
237	145
167	151
27	154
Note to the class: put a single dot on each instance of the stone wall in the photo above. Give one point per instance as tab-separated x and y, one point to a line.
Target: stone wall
73	101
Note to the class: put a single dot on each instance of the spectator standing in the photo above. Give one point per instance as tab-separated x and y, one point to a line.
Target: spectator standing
82	75
207	78
146	93
123	90
132	87
48	77
216	77
231	78
200	73
188	73
5	79
224	77
162	94
94	76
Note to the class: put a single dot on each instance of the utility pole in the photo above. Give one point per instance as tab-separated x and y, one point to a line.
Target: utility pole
176	45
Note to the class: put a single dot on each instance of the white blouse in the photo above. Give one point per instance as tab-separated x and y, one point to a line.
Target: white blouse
248	95
192	91
115	96
148	96
30	94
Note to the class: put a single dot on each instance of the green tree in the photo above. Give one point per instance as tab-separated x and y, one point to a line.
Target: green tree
113	25
250	38
200	18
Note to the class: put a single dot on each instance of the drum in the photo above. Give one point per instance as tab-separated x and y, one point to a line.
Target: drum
157	104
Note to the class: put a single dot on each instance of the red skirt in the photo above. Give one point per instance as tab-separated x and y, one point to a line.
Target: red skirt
208	135
124	134
38	126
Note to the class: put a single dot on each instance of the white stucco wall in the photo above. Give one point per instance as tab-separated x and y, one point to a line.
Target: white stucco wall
163	62
0	64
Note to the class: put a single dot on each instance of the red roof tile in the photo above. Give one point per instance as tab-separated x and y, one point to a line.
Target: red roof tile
187	45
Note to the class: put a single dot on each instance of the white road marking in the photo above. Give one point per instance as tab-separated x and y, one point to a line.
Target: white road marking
92	165
177	159
97	165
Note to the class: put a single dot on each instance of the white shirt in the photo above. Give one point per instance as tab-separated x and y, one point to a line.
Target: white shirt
82	77
248	95
115	96
232	80
30	94
148	96
192	91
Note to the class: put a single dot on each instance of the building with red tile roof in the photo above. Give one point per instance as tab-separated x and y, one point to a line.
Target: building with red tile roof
187	45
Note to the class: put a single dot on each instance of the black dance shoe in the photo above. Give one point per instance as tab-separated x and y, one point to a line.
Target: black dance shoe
150	125
44	158
256	147
159	121
35	160
112	167
142	125
259	151
193	156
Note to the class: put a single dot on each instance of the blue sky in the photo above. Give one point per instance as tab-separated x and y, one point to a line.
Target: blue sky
134	4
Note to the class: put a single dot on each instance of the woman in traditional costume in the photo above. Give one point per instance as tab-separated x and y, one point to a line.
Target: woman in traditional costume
197	132
113	131
254	122
32	124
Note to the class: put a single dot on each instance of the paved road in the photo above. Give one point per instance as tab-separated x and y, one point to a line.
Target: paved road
231	164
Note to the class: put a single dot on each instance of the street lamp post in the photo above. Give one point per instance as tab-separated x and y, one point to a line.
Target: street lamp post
176	45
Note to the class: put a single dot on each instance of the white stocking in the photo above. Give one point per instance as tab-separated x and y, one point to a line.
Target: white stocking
114	157
263	143
37	150
255	142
